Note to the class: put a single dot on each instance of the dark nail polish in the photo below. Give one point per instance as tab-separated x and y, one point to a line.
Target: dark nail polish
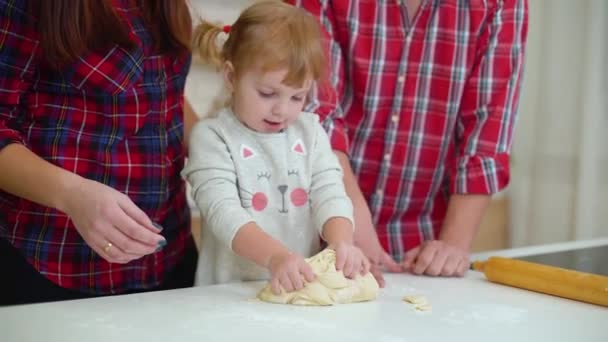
161	244
157	226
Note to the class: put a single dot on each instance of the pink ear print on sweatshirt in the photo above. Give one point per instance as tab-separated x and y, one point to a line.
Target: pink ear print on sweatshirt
247	152
299	148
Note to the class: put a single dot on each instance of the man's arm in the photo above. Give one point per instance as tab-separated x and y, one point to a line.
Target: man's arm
449	255
365	236
463	219
325	100
486	119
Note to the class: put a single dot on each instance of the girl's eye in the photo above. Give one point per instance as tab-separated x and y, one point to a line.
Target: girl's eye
264	94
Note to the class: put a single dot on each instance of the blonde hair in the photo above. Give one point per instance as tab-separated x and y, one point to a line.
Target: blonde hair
270	35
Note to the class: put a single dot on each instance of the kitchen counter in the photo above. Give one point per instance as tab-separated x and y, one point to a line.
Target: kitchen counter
463	309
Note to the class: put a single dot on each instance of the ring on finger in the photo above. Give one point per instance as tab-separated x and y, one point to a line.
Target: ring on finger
107	247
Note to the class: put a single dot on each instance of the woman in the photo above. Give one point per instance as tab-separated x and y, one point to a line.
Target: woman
91	146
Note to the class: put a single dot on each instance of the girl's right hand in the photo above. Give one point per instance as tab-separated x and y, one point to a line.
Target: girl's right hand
289	271
110	223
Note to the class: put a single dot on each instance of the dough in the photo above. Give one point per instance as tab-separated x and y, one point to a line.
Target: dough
416	299
420	302
329	288
423	307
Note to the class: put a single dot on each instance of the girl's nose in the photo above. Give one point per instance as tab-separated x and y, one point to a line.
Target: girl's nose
280	109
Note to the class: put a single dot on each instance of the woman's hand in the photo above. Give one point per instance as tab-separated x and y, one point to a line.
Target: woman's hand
289	271
110	223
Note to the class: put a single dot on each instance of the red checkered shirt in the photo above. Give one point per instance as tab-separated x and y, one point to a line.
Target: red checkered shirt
114	117
424	110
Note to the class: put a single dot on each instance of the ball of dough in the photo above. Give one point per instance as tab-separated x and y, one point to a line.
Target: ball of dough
330	286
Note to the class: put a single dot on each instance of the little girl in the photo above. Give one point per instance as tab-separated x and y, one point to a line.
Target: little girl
262	171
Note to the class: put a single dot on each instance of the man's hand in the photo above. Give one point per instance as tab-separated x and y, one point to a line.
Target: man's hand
449	256
380	260
437	258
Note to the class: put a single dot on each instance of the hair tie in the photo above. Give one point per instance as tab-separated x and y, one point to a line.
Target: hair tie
226	29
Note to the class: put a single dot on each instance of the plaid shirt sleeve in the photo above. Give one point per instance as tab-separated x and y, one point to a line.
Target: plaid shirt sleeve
489	103
327	99
18	46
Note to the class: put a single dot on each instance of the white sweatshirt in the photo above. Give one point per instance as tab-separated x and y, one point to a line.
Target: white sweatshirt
288	183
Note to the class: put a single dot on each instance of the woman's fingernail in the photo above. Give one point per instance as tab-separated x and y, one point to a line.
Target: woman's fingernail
161	244
157	226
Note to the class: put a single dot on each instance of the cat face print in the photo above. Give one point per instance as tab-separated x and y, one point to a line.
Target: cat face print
282	191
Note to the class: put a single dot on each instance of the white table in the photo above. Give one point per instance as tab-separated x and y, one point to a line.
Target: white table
465	309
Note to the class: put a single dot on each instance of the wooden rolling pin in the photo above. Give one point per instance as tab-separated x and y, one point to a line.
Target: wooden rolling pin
585	287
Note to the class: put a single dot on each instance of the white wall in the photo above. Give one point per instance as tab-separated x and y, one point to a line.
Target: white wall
560	161
203	83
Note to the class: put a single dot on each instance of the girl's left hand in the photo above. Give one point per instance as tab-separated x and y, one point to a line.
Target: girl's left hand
350	259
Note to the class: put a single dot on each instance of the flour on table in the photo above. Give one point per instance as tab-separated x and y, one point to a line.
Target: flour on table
330	286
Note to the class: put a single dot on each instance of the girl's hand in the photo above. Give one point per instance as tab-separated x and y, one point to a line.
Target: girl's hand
289	271
110	223
350	260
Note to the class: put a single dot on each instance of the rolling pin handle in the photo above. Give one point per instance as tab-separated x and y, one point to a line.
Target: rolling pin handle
478	265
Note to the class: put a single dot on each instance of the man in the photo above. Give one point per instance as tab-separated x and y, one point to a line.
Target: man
420	108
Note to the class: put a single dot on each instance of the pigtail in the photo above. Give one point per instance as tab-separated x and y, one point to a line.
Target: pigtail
205	41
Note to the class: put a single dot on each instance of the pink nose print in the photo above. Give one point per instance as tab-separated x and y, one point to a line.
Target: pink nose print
299	197
259	201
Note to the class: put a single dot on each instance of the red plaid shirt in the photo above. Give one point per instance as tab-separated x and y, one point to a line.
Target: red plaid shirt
425	109
114	117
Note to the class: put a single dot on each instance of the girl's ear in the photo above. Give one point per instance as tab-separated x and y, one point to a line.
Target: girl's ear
229	76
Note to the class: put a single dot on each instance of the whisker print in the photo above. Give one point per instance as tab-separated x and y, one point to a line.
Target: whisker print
319	174
213	169
228	180
245	191
204	184
248	196
322	187
329	199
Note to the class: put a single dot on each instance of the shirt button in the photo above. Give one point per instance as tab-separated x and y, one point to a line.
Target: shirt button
395	118
379	192
401	79
387	157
